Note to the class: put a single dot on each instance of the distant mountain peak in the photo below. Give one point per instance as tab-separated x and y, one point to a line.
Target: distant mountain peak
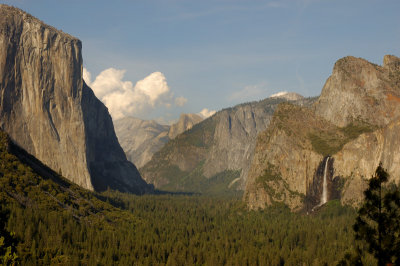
140	139
290	96
186	122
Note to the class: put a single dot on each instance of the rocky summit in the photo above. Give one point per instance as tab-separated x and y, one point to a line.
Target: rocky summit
339	141
185	122
140	139
214	155
48	110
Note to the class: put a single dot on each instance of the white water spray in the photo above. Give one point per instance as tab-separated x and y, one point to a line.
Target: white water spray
324	196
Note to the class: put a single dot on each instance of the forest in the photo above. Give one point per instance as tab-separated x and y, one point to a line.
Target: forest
48	220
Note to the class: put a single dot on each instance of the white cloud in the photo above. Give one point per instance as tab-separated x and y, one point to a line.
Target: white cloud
154	86
122	98
251	92
87	76
180	101
206	113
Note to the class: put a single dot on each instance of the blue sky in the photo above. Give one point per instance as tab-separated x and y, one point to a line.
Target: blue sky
215	54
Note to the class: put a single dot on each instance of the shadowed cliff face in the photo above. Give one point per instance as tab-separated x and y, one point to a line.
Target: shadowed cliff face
355	121
47	109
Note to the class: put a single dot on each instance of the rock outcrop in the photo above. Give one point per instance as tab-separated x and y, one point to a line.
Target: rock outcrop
185	122
140	139
354	123
360	90
215	152
48	110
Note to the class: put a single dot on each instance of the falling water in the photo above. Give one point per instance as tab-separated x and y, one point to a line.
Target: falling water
324	196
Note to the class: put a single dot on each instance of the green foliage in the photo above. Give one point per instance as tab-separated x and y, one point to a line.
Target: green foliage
191	147
8	241
330	142
273	183
270	174
200	135
204	230
196	182
378	220
57	222
355	129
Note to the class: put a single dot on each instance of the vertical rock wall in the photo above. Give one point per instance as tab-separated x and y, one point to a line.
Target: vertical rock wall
47	109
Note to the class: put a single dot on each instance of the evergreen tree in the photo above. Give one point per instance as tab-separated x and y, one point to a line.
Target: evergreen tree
7	241
378	220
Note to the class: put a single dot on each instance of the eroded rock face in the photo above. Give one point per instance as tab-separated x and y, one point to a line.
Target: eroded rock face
358	159
360	90
355	122
48	110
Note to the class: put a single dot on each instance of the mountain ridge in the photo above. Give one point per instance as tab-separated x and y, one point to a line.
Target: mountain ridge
215	149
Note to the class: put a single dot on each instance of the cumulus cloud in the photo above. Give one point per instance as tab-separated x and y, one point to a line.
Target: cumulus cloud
180	101
122	98
87	76
206	113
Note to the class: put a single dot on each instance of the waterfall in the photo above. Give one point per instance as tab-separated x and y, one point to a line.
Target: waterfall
324	196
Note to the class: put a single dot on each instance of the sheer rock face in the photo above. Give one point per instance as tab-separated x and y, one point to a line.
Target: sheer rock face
48	110
355	121
235	137
285	147
358	160
140	139
360	90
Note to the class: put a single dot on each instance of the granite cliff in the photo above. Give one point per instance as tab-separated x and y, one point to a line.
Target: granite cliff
140	139
215	154
350	129
185	122
48	110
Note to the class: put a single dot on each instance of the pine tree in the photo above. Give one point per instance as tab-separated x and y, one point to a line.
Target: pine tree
7	241
378	220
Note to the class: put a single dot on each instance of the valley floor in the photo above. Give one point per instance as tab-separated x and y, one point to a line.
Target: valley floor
57	222
185	230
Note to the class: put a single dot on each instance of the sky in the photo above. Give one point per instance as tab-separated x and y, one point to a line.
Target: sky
158	59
